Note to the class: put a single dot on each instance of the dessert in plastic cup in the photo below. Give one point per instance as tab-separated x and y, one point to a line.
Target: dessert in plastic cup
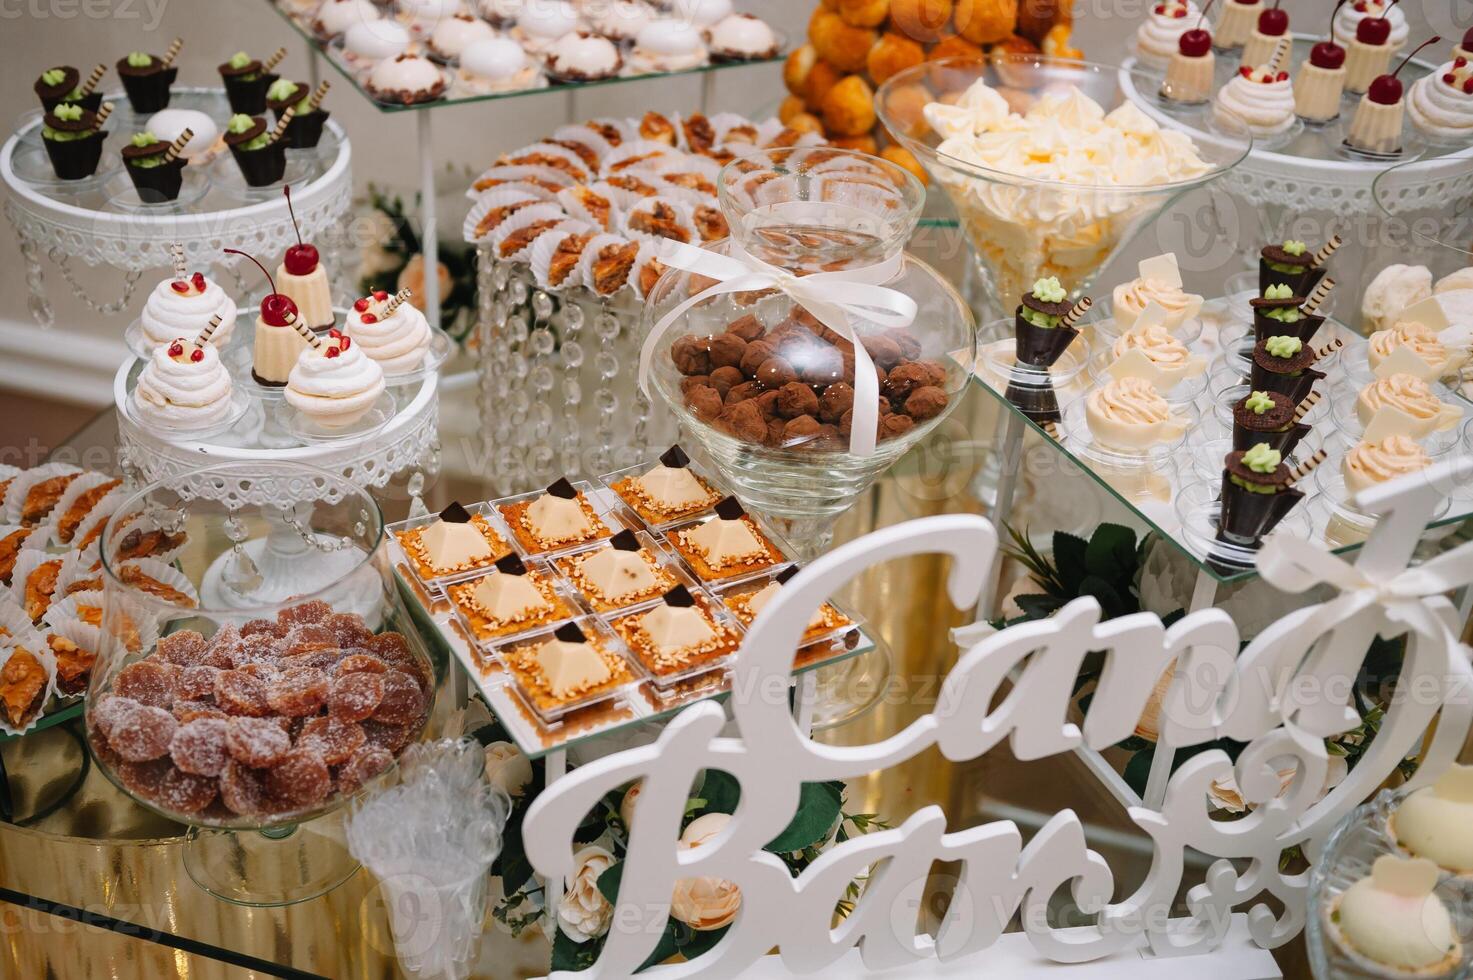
1271	418
155	167
259	150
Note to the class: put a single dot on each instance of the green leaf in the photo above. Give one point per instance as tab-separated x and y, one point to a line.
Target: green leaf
493	732
1134	744
702	942
1038	606
1111	552
1110	600
608	882
573	957
516	870
668	945
1138	771
721	791
1069	559
818	808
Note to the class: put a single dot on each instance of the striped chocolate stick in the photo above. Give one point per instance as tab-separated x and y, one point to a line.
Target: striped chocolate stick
1307	467
1326	250
173	51
92	80
1076	313
274	60
177	147
394	302
318	95
102	114
1318	297
283	122
1303	408
176	252
208	331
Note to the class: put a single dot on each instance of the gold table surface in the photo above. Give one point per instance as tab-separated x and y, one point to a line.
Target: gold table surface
101	853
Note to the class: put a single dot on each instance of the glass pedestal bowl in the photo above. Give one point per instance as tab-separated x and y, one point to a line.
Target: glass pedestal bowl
244	721
788	454
1025	222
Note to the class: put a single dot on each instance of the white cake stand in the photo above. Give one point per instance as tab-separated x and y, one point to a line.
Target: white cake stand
99	222
260	569
1309	188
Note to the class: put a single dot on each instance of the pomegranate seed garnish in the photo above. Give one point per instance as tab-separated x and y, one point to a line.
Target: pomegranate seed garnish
369	318
1468	86
199	281
1245	71
175	349
1282	76
197	356
332	352
361	305
1459	61
380	295
1451	79
345	342
179	286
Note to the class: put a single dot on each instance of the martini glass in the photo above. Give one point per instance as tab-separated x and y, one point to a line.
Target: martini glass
1024	226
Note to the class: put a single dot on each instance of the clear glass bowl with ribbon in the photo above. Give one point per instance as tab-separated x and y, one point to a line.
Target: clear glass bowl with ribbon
807	352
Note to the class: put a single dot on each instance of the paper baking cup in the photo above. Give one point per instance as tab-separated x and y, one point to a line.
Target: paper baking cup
137	520
523	218
520	158
625	199
27	562
572	203
690	163
492	199
35	539
17	625
48	663
540	258
79	486
85	637
725	122
77	566
682	219
70	609
579	133
590	256
506	175
628	131
165	573
98	516
15	496
647	254
7	472
618	161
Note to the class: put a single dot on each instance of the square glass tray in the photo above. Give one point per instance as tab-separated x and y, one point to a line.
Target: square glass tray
1169	492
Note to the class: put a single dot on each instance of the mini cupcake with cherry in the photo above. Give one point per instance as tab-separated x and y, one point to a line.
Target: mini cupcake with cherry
64	84
155	167
147	78
260	152
304	131
73	138
246	80
1376	128
390	330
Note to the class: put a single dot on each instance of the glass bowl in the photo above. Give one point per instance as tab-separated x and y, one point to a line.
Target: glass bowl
1023	222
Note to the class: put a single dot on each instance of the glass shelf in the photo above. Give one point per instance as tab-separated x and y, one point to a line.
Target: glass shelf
331	54
1179	473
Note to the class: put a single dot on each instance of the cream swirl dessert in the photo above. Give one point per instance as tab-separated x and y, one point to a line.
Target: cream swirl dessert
1419	338
181	307
1236	22
334	384
1157	38
1130	415
184	386
1261	98
1393	289
1370	463
396	335
1421	412
1349	16
456	33
1441	104
1394	918
1159	282
1172	362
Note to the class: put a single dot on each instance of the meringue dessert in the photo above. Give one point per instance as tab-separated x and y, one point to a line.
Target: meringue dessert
365	45
495	65
405	79
1418	412
1370	463
1436	822
395	334
334	17
1441	104
1190	72
1393	919
334	384
179	307
1128	415
558	518
1237	20
1158	281
456	541
667	45
184	386
579	56
1261	98
668	492
1157	38
620	20
1393	289
457	32
742	37
540	24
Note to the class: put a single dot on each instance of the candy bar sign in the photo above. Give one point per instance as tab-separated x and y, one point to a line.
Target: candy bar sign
1282	695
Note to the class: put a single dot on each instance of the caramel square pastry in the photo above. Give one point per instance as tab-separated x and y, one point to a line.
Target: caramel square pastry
511	599
560	518
728	545
745	604
457	541
670	491
620	574
680	633
566	668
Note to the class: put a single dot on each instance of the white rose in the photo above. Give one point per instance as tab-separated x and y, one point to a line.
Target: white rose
507	769
705	904
584	913
626	805
1224	793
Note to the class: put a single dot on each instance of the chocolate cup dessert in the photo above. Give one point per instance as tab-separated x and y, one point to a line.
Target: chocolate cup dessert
147	88
266	165
1034	396
1247	517
77	158
1302	282
1276	427
305	129
1041	346
247	95
52	96
1292	377
154	184
1265	326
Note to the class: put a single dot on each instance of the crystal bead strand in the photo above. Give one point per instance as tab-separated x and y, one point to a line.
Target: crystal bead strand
541	344
571	437
605	400
488	365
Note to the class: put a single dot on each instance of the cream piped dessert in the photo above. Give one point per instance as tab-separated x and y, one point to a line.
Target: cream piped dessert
1434	357
1441	104
278	342
1158	281
1189	73
184	386
177	306
390	330
1394	919
1260	98
1368	464
1412	408
581	56
1237	21
1129	415
496	65
1272	24
1376	126
1368	53
1349	18
1157	38
1436	822
333	383
1166	359
1321	80
667	45
742	37
302	277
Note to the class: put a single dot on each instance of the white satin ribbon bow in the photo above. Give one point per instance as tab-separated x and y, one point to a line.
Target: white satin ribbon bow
837	299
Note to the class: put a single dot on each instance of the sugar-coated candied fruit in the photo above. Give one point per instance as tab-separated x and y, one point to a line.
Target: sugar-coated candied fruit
256	742
355	697
303	613
269	627
348	629
298	691
187	711
196	683
390	737
238	693
182	792
144	778
300	779
365	764
143	733
184	648
199	747
243	789
149	682
108	711
402	702
359	663
335	740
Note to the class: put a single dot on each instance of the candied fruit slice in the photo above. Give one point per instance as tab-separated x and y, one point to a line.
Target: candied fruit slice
311	611
196	683
356	696
365	764
149	682
403	702
348	629
108	711
390	737
322	658
258	648
334	740
298	691
183	792
301	779
256	742
187	711
144	778
238	693
243	789
261	671
198	747
143	733
359	663
184	648
267	626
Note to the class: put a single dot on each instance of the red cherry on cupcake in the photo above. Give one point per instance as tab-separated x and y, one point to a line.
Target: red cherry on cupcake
277	310
1273	21
197	355
301	258
1194	43
334	332
360	305
176	349
1374	30
1387	89
1467	44
1327	54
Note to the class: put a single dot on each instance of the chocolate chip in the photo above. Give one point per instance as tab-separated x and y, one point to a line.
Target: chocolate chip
455	514
729	509
570	633
511	565
625	541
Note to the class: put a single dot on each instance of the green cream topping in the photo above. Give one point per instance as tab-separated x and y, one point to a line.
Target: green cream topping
1261	459
67	112
144	138
1295	248
62	136
1258	402
239	123
1279	290
53	76
282	88
1238	481
137	59
1046	321
1286	269
239	60
1286	314
1283	346
1049	290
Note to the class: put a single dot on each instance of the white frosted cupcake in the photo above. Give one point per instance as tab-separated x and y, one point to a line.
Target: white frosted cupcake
496	65
667	45
184	386
182	307
397	341
1157	38
335	384
1441	104
456	33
